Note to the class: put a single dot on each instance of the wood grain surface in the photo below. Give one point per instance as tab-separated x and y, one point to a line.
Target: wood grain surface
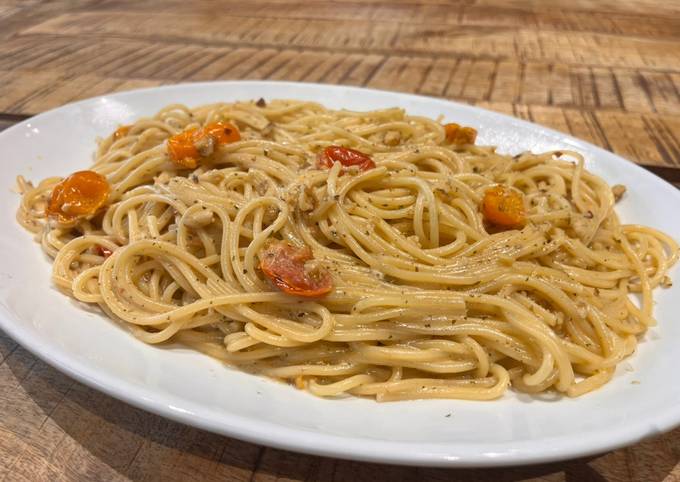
607	71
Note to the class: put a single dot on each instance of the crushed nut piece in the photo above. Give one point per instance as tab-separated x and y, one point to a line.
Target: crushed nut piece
392	138
618	190
205	145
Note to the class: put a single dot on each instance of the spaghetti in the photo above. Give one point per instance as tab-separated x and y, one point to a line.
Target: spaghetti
369	253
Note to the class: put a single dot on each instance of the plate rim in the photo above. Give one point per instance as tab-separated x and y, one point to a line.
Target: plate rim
327	444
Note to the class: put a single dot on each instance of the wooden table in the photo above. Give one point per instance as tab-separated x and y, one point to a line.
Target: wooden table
605	71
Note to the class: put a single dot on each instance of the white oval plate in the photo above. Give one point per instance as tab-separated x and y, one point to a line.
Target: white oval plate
642	400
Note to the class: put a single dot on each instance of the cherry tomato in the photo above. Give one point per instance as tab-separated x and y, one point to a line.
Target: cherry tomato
121	132
504	207
79	195
287	267
345	156
222	132
456	134
184	148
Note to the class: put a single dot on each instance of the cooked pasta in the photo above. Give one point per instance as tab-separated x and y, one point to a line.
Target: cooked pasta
375	254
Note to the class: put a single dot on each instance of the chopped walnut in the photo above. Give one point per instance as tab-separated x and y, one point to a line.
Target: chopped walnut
261	102
270	215
261	188
301	196
307	200
205	145
618	190
392	138
666	282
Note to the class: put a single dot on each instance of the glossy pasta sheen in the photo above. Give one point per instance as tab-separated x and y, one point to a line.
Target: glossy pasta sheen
427	302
